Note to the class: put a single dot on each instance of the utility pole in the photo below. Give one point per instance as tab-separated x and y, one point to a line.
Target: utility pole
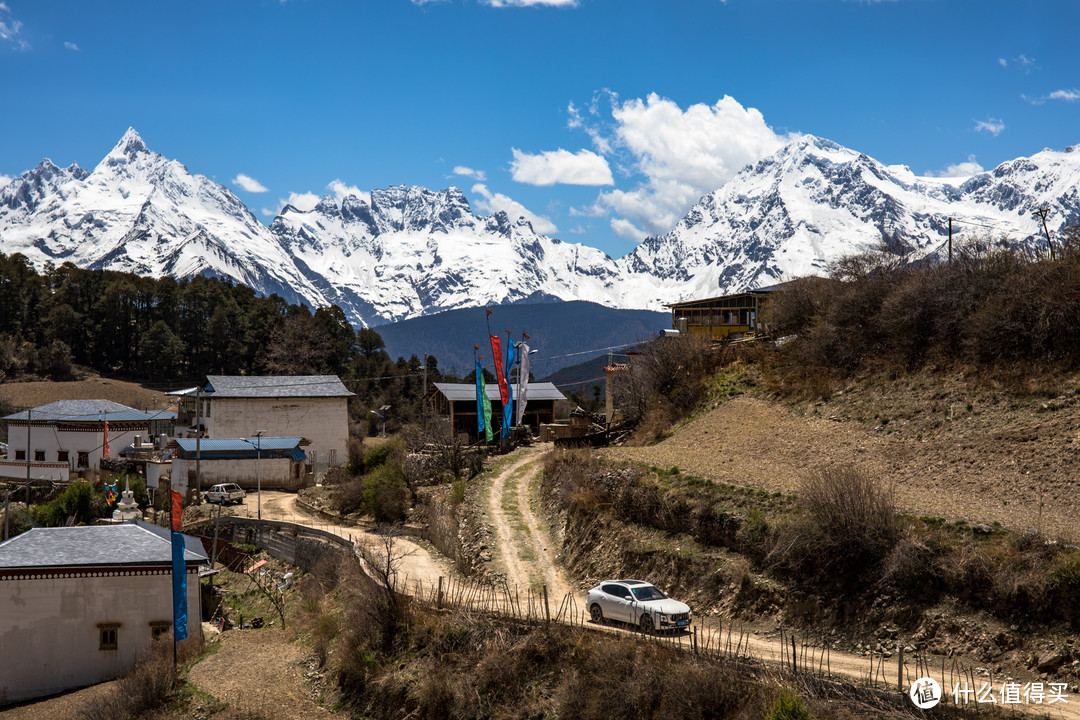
198	443
258	474
950	241
28	459
425	375
1041	214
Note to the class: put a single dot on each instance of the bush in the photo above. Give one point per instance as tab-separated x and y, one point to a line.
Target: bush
788	707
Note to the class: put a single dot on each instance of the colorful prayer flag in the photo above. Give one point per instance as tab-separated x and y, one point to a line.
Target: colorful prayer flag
480	392
179	570
523	381
105	445
496	353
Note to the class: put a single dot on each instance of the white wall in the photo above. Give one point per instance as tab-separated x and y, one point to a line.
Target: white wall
52	440
38	471
323	421
273	473
49	636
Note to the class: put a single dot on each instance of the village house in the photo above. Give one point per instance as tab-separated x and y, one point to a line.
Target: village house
269	462
456	404
722	317
68	436
314	407
78	605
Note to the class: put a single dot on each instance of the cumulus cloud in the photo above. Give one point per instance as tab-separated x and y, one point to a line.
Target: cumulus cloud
990	125
304	202
627	230
268	212
5	180
11	29
496	202
530	3
962	169
464	171
341	191
249	184
561	166
681	154
71	46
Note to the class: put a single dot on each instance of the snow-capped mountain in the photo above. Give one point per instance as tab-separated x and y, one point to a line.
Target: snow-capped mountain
813	201
403	252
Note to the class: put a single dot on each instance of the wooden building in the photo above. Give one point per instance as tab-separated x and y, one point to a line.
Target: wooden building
456	402
718	318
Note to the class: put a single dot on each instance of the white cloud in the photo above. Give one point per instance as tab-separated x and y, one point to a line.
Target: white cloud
627	230
341	191
561	166
464	171
268	212
496	202
990	125
681	154
249	184
1003	62
5	179
71	46
530	3
11	29
963	169
1067	95
304	202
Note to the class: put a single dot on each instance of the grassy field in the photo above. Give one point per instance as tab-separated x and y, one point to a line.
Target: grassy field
32	394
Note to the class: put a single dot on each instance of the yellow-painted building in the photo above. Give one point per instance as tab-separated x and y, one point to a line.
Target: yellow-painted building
719	318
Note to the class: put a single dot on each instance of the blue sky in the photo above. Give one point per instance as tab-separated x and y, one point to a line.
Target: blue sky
602	120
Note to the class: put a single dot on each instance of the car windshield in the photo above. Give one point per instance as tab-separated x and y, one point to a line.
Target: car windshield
648	592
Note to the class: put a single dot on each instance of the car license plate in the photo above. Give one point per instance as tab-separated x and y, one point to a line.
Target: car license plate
681	623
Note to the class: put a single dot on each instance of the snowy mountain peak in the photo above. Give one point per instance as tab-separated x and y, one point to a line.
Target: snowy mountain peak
129	147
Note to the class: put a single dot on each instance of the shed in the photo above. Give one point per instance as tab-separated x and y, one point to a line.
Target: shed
721	317
457	403
272	462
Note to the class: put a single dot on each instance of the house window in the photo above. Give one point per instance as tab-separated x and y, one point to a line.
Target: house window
159	628
84	460
20	454
107	633
62	456
39	456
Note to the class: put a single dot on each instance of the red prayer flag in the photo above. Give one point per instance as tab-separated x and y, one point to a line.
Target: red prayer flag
504	388
105	446
177	510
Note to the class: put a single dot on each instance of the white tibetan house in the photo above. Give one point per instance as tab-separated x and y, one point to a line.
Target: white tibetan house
68	436
78	605
314	407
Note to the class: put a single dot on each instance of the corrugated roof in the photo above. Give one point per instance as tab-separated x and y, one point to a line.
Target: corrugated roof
272	386
467	391
239	444
125	544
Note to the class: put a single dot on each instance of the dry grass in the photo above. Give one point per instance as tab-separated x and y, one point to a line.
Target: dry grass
33	394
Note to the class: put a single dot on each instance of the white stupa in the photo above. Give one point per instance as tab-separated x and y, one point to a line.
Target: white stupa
127	508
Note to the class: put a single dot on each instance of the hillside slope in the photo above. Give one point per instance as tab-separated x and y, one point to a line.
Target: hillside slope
952	450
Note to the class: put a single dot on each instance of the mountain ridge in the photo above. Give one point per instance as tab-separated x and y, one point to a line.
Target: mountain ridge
406	251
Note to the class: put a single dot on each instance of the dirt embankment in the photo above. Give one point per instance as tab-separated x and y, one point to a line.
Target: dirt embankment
950	451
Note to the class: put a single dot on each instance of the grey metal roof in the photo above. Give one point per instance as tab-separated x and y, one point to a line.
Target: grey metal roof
467	391
125	416
125	544
241	444
273	386
65	409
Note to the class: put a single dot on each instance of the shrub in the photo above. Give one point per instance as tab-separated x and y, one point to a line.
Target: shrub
788	707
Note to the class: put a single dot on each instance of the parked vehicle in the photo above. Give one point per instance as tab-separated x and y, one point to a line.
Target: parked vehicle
638	603
225	493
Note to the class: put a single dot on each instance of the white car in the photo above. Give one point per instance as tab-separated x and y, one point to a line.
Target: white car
638	603
225	493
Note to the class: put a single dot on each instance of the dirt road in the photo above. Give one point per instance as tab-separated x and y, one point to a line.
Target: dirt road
525	551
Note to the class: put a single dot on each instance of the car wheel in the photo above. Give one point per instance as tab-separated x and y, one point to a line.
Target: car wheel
646	624
596	614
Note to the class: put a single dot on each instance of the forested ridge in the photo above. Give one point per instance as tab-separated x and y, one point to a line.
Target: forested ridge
169	332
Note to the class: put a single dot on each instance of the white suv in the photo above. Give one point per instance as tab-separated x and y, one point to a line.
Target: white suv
638	603
225	493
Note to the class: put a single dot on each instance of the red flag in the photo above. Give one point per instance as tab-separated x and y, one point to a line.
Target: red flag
105	447
177	510
504	388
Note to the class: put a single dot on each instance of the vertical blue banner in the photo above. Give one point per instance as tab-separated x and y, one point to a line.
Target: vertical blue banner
179	587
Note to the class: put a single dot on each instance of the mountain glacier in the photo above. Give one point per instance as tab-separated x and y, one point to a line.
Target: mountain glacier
402	252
